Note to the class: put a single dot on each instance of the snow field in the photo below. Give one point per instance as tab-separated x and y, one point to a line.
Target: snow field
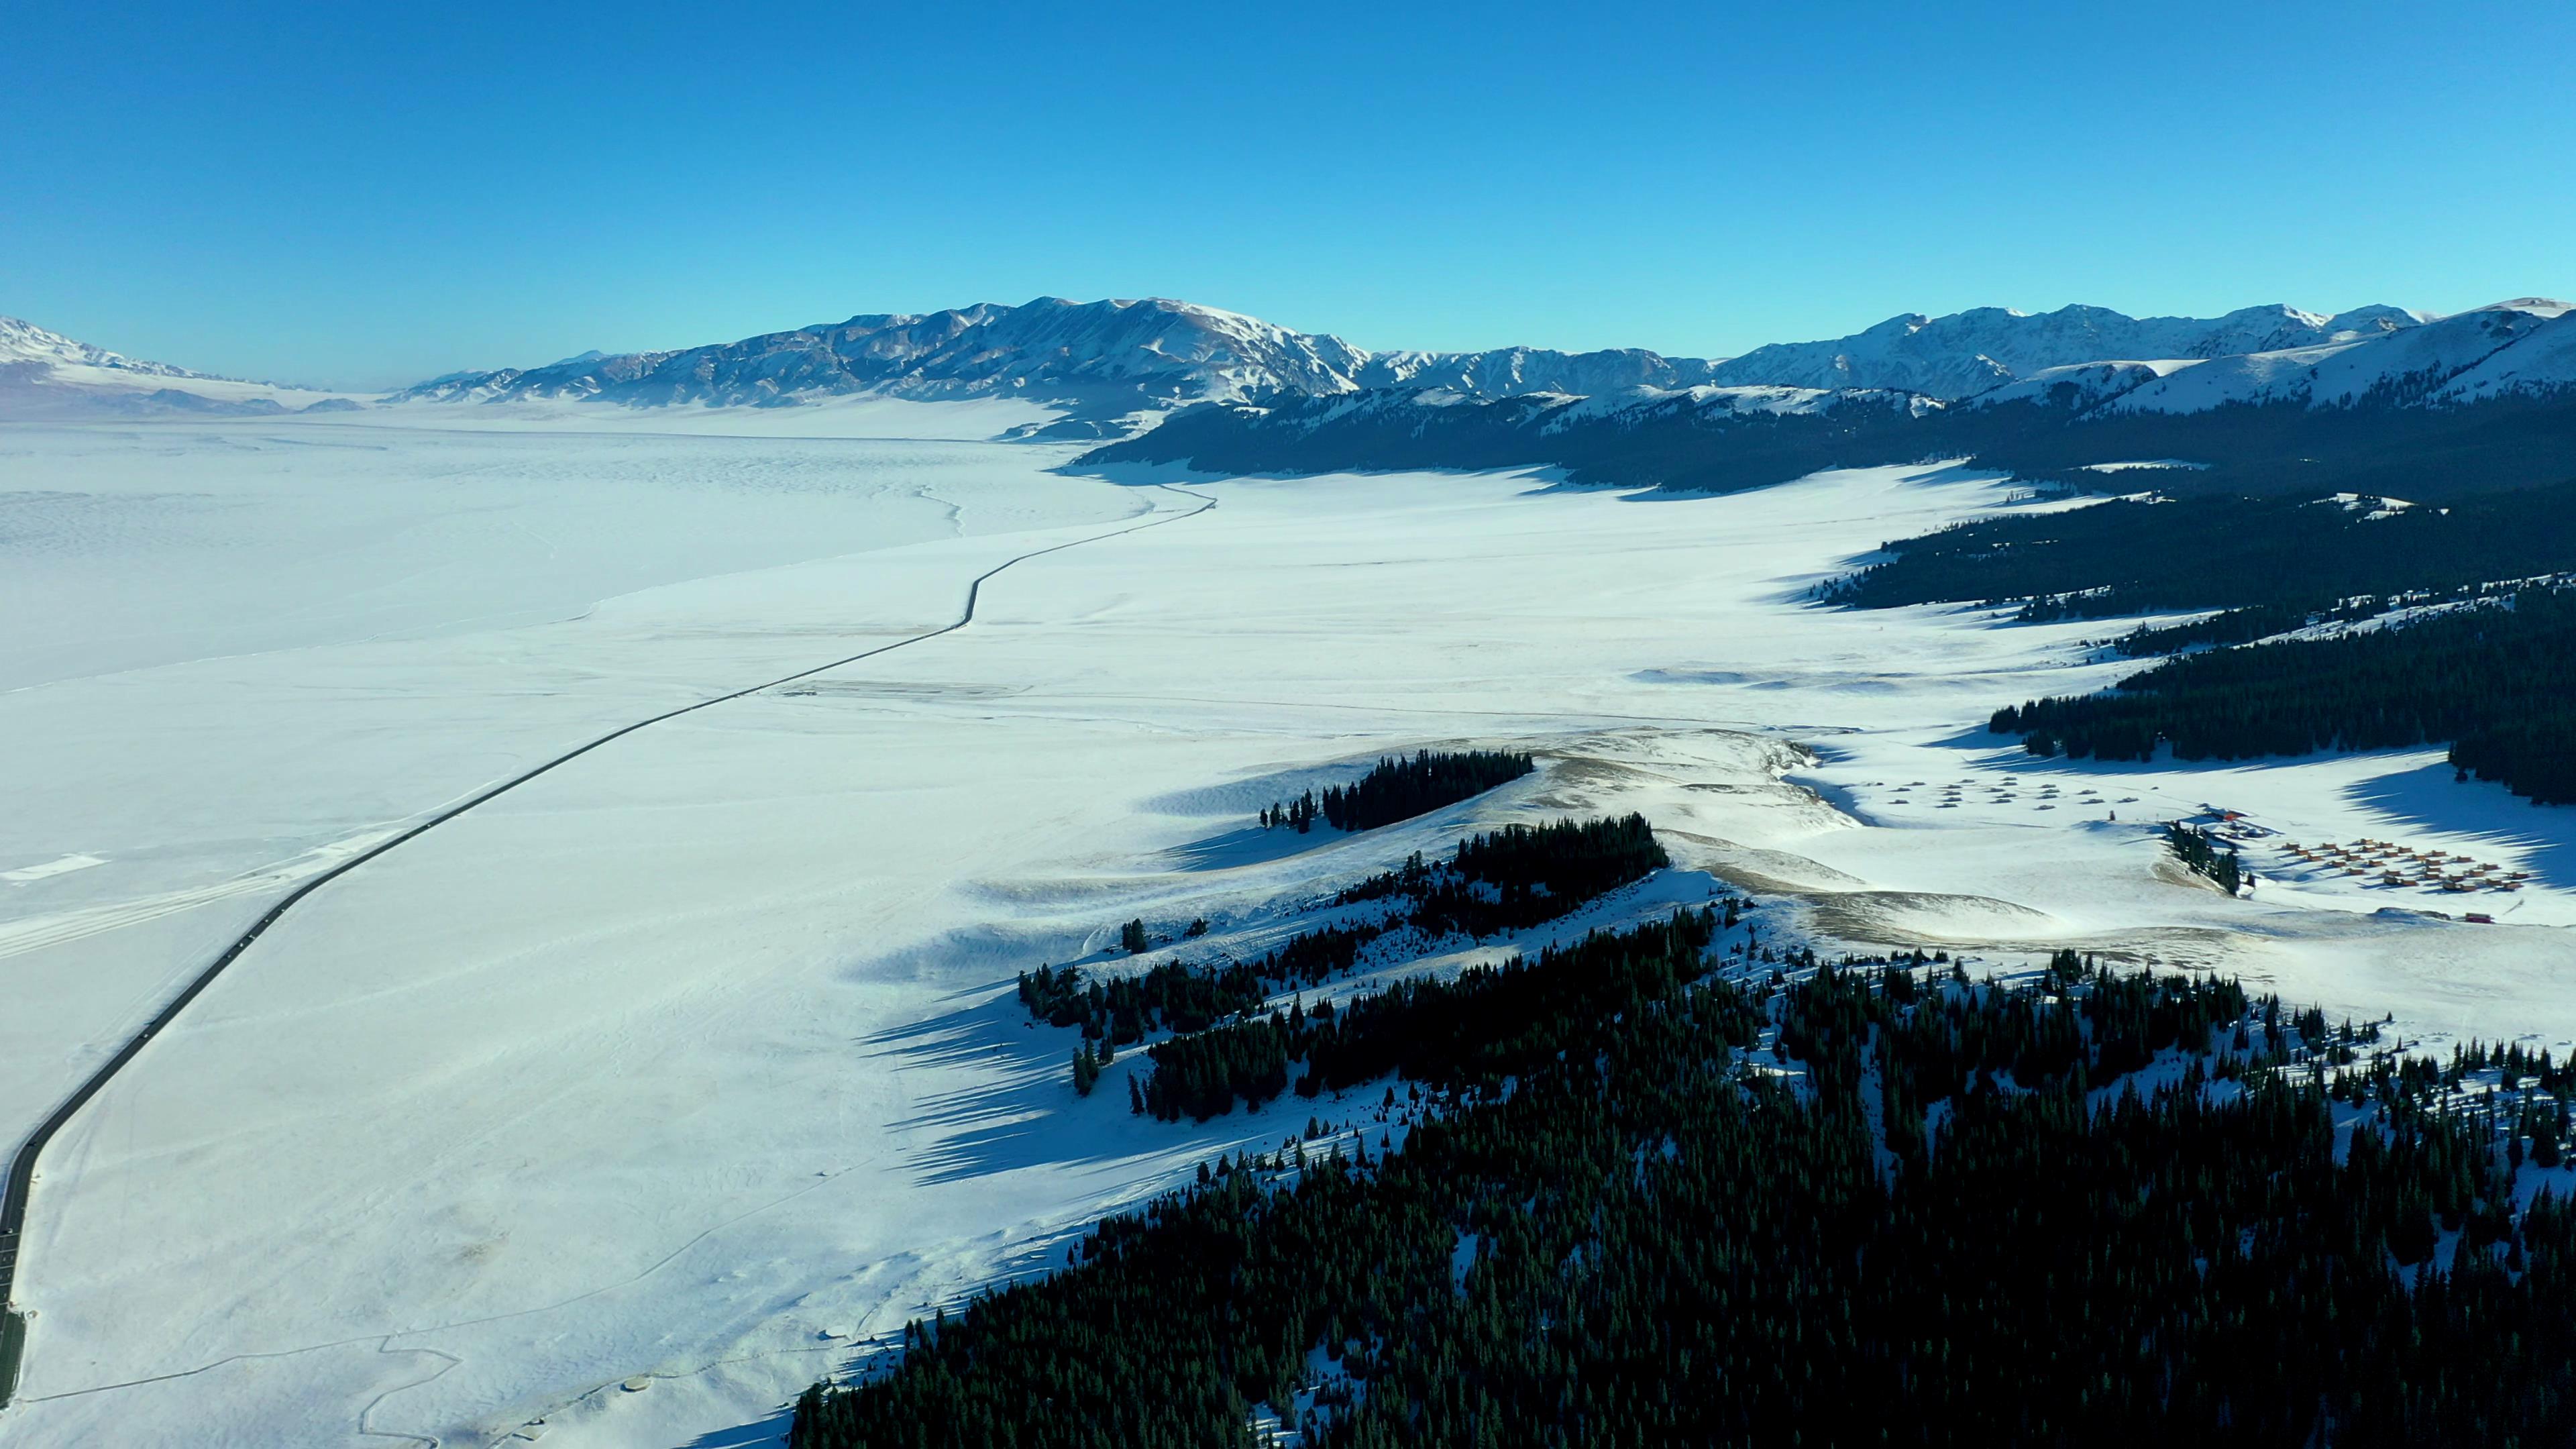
674	1060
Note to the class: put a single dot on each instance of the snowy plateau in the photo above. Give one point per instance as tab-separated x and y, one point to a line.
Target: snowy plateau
619	1109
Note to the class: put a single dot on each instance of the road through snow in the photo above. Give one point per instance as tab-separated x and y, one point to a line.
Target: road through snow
624	1106
22	1166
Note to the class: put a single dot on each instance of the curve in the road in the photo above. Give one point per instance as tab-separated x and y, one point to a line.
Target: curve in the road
22	1167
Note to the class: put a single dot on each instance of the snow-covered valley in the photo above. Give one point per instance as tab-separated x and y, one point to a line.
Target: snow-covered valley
694	1063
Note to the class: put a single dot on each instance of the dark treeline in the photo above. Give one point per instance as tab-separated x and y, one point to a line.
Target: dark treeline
2289	559
1172	995
1399	789
1491	1021
1202	1075
1655	1239
1470	1031
1515	877
1520	875
2232	626
2497	680
2276	449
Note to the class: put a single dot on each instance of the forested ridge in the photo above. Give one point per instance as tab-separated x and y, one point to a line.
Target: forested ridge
2277	560
2276	448
2497	680
1225	1050
1518	876
1855	1203
1476	1028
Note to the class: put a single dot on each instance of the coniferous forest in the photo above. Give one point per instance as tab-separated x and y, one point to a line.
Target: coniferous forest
1399	789
1223	1049
2498	681
2279	448
1877	1203
2289	557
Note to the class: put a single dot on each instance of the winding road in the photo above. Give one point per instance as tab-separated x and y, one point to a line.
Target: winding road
22	1167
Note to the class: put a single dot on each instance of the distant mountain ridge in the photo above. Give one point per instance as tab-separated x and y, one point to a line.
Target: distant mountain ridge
1108	358
45	374
2485	398
1966	353
1097	357
23	342
1116	366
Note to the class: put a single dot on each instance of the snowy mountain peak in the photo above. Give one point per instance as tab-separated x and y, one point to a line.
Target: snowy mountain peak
2536	306
25	342
1967	353
1107	358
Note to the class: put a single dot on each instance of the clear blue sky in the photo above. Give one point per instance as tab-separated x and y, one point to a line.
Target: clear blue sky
366	194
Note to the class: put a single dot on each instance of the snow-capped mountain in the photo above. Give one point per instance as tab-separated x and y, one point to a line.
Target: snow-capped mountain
1117	365
24	342
2479	399
45	374
1116	358
1108	356
2429	364
1513	371
1966	353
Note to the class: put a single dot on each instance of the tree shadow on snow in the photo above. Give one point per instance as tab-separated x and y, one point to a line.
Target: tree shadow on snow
2429	797
1017	1114
763	1434
1251	845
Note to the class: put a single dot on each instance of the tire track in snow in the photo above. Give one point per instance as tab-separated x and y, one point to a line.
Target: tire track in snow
22	1167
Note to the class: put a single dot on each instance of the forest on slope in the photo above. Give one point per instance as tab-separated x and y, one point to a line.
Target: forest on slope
1709	1201
2343	624
2153	554
2497	679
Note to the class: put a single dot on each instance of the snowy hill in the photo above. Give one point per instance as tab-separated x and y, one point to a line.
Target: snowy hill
45	374
1970	352
25	342
2418	365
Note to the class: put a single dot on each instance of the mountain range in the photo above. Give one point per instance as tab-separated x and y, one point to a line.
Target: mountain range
1098	359
1112	358
2401	404
1232	390
1967	353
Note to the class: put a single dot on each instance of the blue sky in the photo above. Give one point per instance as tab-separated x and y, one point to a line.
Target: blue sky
364	195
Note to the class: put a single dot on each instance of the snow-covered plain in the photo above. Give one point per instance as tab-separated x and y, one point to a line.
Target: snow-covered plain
677	1060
